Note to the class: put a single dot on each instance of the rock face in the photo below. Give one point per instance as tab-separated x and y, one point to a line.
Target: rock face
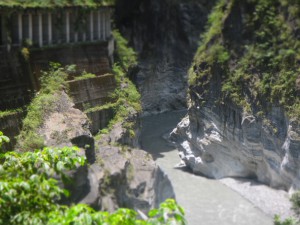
234	126
125	177
117	176
165	34
64	123
224	142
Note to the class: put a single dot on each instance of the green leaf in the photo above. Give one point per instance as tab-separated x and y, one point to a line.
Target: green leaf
153	212
60	166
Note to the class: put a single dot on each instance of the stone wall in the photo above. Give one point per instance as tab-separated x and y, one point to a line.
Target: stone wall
19	78
91	93
94	57
15	84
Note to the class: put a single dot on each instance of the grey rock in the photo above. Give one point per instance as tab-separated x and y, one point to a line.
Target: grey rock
126	178
165	34
225	142
116	176
64	123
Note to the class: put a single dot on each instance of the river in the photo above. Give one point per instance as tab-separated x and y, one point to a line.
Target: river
206	201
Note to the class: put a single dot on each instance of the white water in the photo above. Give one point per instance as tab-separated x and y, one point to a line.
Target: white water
205	201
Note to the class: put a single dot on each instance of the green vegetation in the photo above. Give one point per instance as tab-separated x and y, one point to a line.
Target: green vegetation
29	195
263	66
126	95
126	98
27	190
3	139
10	112
296	207
101	107
125	56
211	49
288	221
85	76
54	3
52	82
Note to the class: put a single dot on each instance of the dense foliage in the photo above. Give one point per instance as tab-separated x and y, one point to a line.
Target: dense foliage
256	46
27	191
127	95
30	195
3	139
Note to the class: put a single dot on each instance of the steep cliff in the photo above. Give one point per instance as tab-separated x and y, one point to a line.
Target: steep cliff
165	35
243	118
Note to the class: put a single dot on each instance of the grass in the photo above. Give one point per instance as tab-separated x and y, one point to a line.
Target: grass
85	76
11	112
52	81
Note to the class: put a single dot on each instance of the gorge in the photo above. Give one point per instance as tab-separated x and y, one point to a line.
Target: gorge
243	95
230	67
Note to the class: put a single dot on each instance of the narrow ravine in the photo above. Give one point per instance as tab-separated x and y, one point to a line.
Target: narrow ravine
205	201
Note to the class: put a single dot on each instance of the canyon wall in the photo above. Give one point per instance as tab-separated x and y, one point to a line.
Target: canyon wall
243	117
165	35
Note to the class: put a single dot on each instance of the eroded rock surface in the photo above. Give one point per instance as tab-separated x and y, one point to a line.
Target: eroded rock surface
116	175
236	125
223	142
125	177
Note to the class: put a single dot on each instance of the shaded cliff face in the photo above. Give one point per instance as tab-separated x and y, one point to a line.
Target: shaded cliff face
165	35
243	117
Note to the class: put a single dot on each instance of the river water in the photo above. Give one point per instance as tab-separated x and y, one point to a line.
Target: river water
206	201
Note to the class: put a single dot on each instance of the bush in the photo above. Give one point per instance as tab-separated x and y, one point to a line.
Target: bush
30	195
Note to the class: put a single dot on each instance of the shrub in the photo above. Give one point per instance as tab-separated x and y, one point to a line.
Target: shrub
30	195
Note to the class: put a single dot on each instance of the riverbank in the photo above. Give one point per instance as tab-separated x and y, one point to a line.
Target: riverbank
206	200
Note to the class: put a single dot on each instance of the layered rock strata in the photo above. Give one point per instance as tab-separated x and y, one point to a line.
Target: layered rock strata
223	142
